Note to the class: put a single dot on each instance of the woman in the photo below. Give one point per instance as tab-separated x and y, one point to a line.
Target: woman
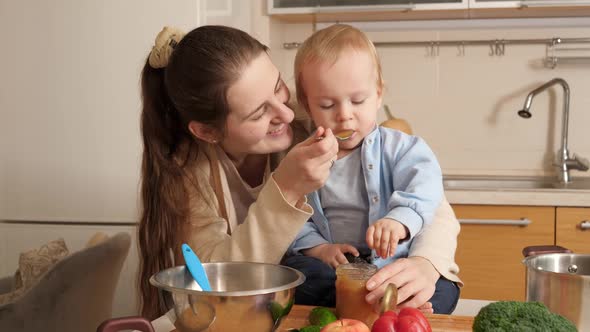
216	173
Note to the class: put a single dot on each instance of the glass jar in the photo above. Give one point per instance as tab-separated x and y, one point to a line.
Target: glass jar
351	281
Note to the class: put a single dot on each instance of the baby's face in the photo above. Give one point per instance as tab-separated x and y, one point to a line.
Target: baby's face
344	95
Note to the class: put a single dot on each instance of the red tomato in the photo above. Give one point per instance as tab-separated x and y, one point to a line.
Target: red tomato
384	324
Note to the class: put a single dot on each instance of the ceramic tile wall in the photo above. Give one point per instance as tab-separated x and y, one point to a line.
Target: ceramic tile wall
465	105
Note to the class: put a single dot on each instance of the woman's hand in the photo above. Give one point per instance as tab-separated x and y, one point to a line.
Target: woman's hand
415	278
331	254
307	166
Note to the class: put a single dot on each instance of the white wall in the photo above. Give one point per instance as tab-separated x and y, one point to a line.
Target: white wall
69	103
465	106
70	148
69	99
69	121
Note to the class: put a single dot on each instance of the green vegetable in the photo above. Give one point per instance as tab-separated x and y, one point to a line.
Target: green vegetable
321	316
310	328
505	316
277	311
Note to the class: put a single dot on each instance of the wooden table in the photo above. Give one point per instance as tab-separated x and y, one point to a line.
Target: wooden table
298	318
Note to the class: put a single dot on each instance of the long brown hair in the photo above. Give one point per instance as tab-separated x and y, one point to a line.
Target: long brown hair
192	87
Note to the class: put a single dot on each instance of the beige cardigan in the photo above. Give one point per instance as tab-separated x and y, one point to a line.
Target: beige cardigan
272	223
213	232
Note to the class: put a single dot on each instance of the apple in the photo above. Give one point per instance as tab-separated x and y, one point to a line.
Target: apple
346	325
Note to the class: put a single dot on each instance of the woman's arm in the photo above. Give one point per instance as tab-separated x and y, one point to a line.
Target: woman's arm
438	242
264	236
273	221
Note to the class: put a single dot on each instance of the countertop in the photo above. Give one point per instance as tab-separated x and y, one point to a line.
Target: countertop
460	320
516	190
298	317
535	197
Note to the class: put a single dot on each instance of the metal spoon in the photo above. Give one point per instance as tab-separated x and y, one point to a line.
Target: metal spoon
341	136
389	299
344	135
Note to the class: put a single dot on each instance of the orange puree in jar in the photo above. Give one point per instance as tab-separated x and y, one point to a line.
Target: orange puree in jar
351	280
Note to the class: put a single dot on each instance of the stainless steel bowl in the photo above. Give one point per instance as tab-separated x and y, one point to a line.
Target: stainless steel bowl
245	296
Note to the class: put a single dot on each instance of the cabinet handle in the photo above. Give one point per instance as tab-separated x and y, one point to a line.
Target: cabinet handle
585	224
549	3
367	8
507	222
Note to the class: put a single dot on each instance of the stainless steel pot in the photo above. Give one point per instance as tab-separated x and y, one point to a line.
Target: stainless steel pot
561	280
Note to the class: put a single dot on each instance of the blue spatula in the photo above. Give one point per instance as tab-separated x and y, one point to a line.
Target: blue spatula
195	267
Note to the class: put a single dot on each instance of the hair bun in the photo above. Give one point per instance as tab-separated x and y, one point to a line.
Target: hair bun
165	43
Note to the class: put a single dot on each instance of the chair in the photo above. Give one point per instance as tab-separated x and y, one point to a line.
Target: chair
76	295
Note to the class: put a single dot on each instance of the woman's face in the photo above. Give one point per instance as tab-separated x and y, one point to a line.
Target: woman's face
258	121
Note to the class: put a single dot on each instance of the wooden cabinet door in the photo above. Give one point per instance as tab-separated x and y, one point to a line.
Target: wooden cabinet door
489	250
572	229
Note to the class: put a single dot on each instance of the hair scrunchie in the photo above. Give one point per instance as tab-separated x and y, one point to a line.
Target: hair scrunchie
165	43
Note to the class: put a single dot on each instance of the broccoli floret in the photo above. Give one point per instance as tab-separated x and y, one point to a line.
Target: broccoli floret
507	316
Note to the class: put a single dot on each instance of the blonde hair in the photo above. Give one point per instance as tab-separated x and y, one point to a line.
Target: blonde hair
326	45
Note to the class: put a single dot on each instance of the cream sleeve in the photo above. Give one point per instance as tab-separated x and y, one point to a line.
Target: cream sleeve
438	241
264	236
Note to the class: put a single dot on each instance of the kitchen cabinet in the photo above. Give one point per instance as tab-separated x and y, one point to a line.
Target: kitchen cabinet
323	6
528	8
572	229
370	10
394	10
489	250
527	3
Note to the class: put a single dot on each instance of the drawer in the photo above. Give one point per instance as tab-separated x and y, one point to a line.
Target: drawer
489	249
572	229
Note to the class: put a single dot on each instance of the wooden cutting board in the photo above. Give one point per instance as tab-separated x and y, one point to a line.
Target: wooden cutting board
298	318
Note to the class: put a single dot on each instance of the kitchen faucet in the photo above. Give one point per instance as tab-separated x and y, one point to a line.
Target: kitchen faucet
565	163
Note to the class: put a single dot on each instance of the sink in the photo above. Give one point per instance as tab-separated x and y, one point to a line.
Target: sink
512	183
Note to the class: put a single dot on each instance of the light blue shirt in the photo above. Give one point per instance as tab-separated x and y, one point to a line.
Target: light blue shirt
344	201
403	182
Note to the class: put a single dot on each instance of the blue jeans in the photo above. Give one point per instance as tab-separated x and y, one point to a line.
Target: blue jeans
319	288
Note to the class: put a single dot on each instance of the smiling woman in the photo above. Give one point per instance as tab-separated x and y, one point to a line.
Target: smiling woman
214	127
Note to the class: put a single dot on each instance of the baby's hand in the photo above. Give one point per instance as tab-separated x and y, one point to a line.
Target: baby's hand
384	235
331	254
